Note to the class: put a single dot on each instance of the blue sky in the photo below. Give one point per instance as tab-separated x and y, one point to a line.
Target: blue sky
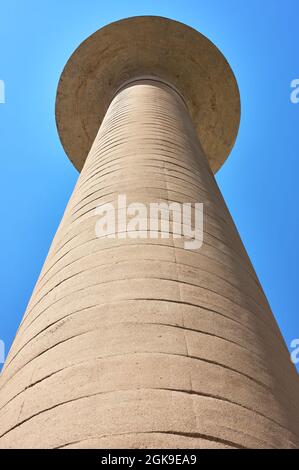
259	180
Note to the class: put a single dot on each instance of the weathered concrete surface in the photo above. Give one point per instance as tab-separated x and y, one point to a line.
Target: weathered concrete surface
139	342
156	47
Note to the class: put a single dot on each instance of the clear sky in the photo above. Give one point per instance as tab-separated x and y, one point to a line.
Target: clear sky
259	180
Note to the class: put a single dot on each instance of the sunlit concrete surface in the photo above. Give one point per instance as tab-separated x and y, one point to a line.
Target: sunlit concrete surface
140	342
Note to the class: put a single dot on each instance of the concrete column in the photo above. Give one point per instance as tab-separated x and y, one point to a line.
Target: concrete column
140	342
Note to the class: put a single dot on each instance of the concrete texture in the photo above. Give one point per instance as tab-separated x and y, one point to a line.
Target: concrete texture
156	47
140	342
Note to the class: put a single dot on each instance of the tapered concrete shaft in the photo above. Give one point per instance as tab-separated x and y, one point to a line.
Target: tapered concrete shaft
140	342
